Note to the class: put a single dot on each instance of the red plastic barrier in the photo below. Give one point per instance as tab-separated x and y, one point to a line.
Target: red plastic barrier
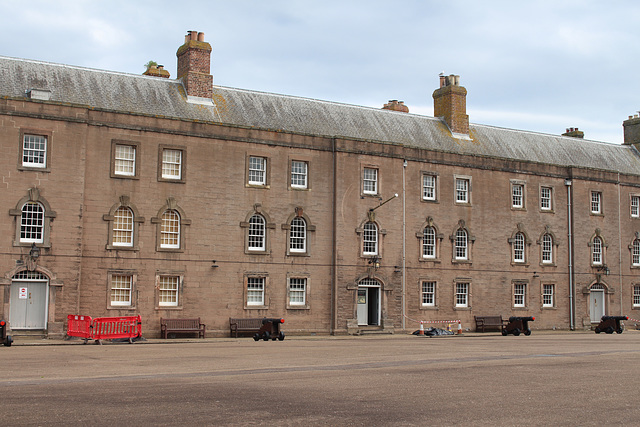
106	328
79	326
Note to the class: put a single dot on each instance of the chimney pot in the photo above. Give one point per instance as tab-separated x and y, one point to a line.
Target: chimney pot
200	37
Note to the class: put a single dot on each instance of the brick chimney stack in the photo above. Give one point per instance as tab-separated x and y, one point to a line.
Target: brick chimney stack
194	65
396	105
450	103
632	130
574	132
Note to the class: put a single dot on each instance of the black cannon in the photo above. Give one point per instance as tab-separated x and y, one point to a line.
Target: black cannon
517	325
608	324
270	329
6	339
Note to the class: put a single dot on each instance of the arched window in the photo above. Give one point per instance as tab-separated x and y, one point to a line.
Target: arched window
123	227
547	249
596	251
170	229
429	242
518	247
370	239
461	245
256	233
32	223
298	235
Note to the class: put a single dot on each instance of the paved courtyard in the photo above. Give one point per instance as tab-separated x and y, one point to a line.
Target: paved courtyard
566	378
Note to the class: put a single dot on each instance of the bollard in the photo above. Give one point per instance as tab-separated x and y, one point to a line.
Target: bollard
459	328
421	332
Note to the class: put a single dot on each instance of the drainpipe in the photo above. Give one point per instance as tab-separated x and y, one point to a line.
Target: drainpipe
404	245
619	245
334	252
568	183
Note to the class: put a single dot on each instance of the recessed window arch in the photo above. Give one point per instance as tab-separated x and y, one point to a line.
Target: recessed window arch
371	235
462	241
519	242
634	248
170	224
598	247
548	244
123	222
33	217
256	226
298	227
429	241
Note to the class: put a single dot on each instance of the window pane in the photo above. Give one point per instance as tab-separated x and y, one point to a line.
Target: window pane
298	235
635	206
428	293
256	233
297	291
596	251
517	193
370	181
547	296
596	202
636	253
170	230
370	239
121	289
255	290
123	227
545	198
428	187
518	248
32	223
429	243
34	151
168	290
519	291
257	170
636	296
462	191
125	161
171	164
461	244
462	294
547	249
298	174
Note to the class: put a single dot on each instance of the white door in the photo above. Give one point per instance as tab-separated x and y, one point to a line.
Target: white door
28	301
369	305
596	305
363	311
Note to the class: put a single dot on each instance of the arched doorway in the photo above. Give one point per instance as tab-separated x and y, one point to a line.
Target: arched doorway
29	301
368	302
596	302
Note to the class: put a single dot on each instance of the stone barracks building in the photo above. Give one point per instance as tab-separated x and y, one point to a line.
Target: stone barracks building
141	194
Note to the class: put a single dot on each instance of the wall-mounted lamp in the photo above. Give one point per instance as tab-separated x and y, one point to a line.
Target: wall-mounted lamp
375	262
213	264
604	269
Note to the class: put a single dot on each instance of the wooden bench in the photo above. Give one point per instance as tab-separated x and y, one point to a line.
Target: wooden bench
246	325
173	326
488	322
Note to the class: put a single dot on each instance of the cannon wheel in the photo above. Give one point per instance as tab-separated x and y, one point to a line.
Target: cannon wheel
527	332
619	331
609	330
256	337
504	332
598	330
266	336
8	340
516	332
281	336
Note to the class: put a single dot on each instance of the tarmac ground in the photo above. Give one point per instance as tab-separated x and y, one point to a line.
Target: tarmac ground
560	378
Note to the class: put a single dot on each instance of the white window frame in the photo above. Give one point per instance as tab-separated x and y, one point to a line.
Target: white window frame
257	233
635	206
120	230
298	235
170	229
597	251
546	198
256	290
462	294
519	244
635	253
32	222
370	238
299	174
297	288
370	181
168	290
34	151
429	189
517	196
462	190
636	296
171	164
121	290
548	295
461	245
257	170
547	249
429	243
519	294
596	202
124	160
428	293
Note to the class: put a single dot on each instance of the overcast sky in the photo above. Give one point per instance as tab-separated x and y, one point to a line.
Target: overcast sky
541	66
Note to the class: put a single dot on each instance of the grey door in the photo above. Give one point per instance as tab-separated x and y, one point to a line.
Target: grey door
596	305
28	305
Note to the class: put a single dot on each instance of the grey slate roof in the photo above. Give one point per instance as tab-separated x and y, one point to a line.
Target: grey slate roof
166	97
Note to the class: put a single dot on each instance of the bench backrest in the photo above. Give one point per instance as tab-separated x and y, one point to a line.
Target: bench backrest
181	323
489	319
246	323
